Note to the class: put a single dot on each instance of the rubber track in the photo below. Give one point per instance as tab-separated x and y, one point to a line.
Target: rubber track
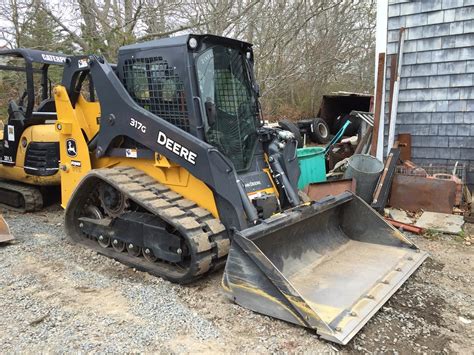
31	195
204	233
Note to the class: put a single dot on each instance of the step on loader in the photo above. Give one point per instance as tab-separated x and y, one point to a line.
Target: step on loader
172	172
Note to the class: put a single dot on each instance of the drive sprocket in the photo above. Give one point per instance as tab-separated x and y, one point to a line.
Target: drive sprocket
113	201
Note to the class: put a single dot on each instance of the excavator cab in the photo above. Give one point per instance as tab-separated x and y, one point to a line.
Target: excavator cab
29	147
172	172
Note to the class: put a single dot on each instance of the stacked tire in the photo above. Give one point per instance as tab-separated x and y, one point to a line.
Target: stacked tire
319	131
287	125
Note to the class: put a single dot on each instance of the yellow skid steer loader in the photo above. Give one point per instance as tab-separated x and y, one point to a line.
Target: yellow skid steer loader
172	172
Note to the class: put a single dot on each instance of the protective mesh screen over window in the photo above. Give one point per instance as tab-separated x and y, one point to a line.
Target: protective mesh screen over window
156	86
230	92
225	85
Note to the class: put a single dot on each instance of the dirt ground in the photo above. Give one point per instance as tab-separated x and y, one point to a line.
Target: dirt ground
56	296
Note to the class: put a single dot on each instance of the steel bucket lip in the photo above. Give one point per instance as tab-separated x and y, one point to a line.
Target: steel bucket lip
4	238
343	337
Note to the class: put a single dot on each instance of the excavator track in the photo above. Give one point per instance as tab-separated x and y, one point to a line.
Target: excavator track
20	197
205	237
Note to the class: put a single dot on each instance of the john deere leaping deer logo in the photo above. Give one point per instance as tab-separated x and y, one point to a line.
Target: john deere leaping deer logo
71	147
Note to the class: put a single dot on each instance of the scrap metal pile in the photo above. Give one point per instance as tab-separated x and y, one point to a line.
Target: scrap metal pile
389	186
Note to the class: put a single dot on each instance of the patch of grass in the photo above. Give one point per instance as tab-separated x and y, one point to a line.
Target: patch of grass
432	234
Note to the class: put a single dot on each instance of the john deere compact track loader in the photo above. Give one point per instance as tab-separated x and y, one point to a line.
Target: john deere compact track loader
171	172
29	148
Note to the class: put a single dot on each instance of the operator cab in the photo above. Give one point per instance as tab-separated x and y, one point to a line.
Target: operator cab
204	84
217	100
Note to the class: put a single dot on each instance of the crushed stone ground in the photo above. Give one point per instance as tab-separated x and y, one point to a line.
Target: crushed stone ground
59	297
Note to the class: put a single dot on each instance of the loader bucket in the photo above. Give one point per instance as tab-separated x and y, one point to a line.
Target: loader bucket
328	266
5	235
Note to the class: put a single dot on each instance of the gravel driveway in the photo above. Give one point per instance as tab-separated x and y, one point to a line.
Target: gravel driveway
55	296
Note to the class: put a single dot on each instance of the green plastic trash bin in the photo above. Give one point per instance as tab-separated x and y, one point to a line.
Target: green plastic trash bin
312	165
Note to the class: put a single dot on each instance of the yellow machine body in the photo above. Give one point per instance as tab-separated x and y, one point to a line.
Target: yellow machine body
38	133
73	121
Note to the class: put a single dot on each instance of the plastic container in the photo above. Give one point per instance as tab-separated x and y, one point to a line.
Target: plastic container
365	169
312	166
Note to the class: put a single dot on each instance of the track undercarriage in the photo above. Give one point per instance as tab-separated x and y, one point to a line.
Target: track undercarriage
126	215
20	197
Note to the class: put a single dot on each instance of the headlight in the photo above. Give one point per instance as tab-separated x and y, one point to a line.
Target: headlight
193	43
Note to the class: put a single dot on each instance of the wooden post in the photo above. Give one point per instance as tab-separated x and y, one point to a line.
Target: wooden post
396	91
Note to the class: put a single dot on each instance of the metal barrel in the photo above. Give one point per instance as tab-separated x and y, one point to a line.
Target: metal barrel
366	170
328	266
5	235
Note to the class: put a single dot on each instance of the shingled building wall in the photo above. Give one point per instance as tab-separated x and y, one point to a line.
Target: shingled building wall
436	101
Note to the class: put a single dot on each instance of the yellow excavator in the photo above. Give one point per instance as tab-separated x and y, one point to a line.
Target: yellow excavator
29	148
172	172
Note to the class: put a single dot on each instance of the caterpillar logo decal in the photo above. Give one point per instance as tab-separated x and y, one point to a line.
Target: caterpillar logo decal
176	148
54	58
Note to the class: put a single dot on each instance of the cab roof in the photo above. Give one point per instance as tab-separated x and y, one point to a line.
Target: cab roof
183	40
35	55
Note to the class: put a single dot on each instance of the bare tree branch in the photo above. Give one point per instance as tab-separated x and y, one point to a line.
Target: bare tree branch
73	35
